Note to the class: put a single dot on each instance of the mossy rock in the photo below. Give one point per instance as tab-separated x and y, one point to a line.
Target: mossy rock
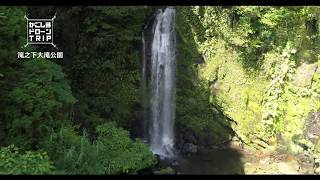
312	127
167	170
304	74
317	146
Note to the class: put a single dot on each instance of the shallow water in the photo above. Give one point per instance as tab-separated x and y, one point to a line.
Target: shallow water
220	161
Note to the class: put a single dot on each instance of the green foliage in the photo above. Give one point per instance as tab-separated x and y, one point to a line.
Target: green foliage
113	152
40	99
104	46
122	155
194	112
13	161
34	93
249	66
246	74
37	98
71	153
279	75
12	32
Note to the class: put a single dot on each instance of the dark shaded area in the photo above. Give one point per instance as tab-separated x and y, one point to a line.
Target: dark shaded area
223	160
218	161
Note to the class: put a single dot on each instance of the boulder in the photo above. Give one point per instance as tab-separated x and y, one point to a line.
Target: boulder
201	60
304	74
167	170
312	127
317	146
189	148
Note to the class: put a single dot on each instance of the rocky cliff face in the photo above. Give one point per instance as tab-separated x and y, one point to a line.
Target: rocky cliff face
268	85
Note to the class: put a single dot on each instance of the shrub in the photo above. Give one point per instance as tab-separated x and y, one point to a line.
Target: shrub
113	152
13	161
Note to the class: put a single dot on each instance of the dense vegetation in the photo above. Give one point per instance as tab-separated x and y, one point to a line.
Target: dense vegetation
260	66
65	121
245	73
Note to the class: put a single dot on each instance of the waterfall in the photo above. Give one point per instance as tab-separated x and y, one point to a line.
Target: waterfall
160	107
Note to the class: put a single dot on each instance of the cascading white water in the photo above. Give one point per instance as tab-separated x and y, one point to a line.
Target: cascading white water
161	114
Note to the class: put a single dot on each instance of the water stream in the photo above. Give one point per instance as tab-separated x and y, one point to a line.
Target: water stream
160	105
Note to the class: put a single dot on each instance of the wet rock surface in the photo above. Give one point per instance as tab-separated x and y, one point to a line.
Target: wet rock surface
189	148
235	159
167	170
186	142
272	164
312	127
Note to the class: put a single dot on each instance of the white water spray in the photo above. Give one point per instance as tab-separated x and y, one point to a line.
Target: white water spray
161	114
